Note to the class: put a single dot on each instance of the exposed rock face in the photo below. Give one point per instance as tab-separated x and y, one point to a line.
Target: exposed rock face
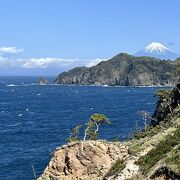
42	81
123	70
86	160
168	101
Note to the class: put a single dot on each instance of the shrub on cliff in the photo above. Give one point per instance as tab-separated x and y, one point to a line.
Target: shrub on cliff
148	161
91	130
117	167
74	136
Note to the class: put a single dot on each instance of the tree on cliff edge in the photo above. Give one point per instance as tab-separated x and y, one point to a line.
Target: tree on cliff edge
92	129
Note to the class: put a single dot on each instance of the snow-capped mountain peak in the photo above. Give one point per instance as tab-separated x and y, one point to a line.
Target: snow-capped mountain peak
156	47
157	50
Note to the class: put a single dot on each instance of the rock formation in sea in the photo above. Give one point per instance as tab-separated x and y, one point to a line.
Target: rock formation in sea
152	153
42	81
125	70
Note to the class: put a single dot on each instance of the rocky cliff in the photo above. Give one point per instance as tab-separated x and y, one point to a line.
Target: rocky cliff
84	160
151	154
124	70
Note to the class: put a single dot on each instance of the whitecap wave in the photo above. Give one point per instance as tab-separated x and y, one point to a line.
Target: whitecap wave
11	85
29	122
14	124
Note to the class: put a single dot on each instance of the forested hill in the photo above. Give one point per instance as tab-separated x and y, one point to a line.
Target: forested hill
125	70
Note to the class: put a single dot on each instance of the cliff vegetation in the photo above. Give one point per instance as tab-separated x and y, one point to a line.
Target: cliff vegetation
152	153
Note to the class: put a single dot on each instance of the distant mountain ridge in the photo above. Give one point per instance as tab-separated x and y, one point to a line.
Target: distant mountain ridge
124	70
158	50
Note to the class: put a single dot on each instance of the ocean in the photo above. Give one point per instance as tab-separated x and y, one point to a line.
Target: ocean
35	119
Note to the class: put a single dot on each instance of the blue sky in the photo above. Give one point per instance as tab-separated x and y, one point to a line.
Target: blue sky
51	36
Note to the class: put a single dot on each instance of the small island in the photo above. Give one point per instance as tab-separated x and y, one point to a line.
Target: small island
42	81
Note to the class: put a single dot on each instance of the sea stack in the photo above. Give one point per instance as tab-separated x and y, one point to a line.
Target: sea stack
42	81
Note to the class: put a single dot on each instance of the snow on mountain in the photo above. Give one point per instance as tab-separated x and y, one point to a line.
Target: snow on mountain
159	51
156	47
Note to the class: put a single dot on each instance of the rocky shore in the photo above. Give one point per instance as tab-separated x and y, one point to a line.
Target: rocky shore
150	154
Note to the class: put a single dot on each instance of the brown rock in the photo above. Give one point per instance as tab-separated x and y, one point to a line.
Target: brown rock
85	160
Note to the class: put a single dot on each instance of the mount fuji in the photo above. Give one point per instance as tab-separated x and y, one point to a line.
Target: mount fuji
158	50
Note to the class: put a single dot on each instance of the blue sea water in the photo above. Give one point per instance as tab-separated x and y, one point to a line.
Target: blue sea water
35	119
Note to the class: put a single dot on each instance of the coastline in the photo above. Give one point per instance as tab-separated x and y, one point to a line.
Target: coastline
101	86
143	157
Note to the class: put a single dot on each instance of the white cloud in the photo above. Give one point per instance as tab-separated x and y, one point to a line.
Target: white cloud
45	64
38	62
57	62
10	50
94	62
42	63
